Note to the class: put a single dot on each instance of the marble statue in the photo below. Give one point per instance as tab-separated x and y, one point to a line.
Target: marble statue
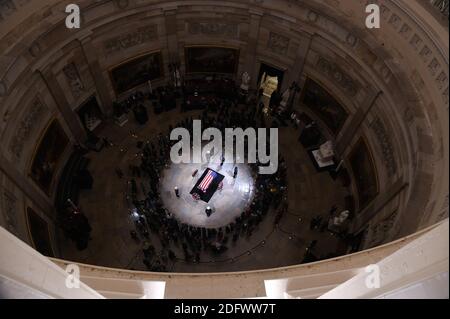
337	223
341	218
177	77
245	81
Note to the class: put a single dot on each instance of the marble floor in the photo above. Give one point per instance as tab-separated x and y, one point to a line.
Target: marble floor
310	193
227	203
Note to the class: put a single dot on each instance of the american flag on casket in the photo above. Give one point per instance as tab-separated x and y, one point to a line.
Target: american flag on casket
207	185
207	180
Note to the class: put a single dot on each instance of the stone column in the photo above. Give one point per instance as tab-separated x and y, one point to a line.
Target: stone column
296	71
90	55
358	118
171	33
69	116
252	43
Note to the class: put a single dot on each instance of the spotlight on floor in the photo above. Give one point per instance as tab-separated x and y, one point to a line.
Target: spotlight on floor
245	188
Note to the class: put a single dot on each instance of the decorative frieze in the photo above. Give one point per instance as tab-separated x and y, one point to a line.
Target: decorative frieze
7	7
380	231
445	96
35	49
395	21
384	10
129	40
441	5
436	70
441	80
425	54
73	79
227	30
278	43
409	115
445	203
405	31
385	72
312	16
444	209
434	66
386	146
351	40
334	72
10	212
33	116
122	4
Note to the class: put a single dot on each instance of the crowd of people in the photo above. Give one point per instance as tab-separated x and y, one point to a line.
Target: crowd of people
178	241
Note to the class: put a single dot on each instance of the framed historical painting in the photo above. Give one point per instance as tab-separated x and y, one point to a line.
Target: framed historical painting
364	172
207	59
134	72
48	155
325	106
39	232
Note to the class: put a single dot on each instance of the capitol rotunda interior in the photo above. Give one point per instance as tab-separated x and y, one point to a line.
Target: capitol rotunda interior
199	149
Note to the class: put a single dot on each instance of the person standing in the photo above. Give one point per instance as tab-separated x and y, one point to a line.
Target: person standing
235	172
208	211
177	192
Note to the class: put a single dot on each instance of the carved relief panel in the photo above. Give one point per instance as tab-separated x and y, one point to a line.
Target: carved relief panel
73	79
10	211
380	232
129	40
278	43
7	7
337	75
210	28
33	116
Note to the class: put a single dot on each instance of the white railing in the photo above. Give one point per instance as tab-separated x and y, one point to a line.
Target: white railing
31	273
299	281
418	258
417	270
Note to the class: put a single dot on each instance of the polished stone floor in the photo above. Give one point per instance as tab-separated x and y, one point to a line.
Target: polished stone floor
310	193
227	203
